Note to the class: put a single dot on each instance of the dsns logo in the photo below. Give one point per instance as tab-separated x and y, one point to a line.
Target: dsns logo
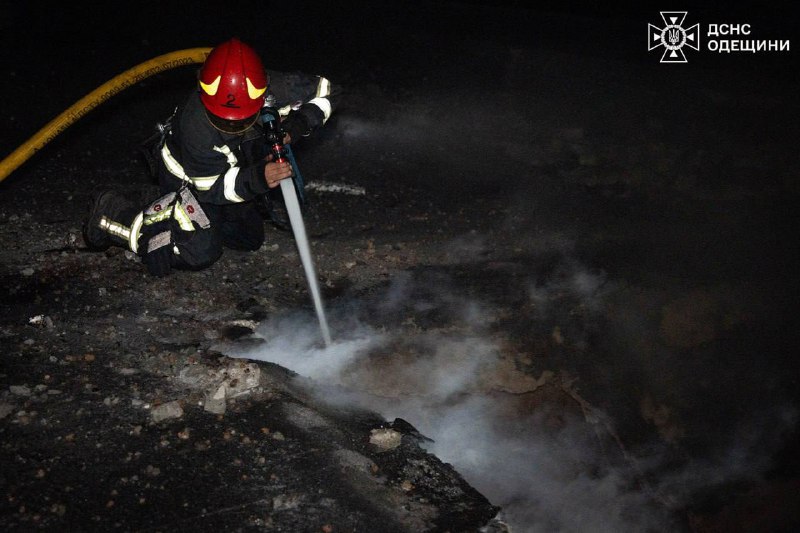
673	37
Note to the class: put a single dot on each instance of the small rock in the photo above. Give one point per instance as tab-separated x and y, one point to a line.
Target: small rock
58	509
247	324
385	438
285	502
218	393
195	376
557	336
19	390
241	379
5	409
215	401
351	459
166	411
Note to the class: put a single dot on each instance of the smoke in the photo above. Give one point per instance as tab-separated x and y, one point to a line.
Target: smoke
293	341
545	481
528	441
570	280
454	382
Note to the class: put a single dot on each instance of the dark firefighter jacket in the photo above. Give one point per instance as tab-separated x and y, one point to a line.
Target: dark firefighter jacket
223	168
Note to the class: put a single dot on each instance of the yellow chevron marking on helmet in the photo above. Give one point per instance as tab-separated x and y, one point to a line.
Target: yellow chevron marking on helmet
211	88
252	91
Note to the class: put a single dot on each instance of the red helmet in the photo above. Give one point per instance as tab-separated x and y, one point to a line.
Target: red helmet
233	81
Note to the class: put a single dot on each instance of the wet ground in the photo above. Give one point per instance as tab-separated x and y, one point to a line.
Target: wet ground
568	266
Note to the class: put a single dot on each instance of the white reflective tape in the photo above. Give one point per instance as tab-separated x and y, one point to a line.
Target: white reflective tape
183	218
230	186
203	183
324	104
323	87
158	216
173	166
114	228
232	161
136	229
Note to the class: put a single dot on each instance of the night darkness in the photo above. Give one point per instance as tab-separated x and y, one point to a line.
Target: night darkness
572	267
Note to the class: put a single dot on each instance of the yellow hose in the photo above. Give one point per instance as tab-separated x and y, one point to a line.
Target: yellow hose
98	96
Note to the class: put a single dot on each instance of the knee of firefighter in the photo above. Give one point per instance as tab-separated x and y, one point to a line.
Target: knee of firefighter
241	227
198	249
246	243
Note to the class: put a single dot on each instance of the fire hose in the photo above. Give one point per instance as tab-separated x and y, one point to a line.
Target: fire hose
131	77
290	190
83	106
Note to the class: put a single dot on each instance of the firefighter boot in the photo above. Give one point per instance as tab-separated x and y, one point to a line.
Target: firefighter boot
111	216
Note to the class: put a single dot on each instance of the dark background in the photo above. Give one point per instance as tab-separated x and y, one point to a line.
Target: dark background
55	55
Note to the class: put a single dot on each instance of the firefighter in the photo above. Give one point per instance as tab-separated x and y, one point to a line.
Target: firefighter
212	164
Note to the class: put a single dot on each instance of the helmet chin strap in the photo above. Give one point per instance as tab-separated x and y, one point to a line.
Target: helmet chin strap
237	132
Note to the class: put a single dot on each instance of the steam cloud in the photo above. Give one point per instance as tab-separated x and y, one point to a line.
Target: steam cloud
448	380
